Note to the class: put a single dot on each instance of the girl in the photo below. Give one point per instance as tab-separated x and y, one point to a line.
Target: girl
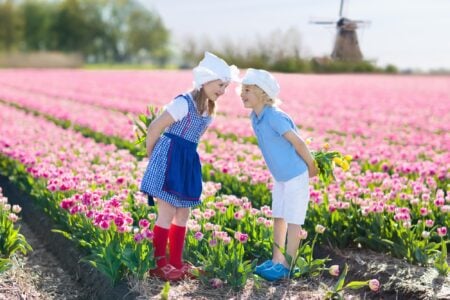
173	174
289	162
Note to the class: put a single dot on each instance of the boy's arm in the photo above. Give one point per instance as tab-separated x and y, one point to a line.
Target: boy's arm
155	128
302	150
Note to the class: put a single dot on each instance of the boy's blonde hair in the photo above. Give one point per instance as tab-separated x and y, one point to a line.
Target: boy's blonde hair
262	95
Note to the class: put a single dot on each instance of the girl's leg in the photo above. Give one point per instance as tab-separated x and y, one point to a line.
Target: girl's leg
166	213
177	234
293	241
181	216
279	240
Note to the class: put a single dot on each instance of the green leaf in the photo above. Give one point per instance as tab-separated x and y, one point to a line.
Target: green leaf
165	291
5	264
340	283
355	285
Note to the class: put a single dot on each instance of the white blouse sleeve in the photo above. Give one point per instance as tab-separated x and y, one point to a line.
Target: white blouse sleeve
178	108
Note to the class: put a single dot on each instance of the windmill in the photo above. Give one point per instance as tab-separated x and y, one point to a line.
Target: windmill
346	45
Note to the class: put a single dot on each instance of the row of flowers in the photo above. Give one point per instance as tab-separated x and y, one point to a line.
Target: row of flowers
361	186
373	142
55	164
244	161
96	118
11	241
398	182
376	143
81	185
331	98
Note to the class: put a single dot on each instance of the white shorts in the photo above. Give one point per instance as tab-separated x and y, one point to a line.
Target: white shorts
290	199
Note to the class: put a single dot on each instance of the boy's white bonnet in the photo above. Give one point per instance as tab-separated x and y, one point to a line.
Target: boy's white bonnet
263	80
212	68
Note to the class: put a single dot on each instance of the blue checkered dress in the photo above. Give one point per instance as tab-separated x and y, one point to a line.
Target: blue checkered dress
190	128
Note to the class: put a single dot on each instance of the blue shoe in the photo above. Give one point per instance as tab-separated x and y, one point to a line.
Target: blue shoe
265	265
276	272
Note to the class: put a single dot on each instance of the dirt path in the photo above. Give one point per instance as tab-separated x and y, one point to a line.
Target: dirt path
53	269
39	275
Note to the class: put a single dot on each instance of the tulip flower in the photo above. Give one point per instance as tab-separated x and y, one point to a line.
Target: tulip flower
374	285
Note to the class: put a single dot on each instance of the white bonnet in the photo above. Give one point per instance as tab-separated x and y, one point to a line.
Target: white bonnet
263	80
212	68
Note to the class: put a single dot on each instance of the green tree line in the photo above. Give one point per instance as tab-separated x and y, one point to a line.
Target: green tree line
123	31
279	51
101	30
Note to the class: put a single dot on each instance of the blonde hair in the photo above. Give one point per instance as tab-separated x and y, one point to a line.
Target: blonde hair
259	92
203	103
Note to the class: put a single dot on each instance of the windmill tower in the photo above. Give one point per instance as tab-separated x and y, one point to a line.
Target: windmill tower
346	45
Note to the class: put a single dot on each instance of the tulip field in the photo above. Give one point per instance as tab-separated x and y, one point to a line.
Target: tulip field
67	138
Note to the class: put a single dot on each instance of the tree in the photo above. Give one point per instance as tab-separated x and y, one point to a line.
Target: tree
146	34
101	30
70	27
98	47
38	19
10	26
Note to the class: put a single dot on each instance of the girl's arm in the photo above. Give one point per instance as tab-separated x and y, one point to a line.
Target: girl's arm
303	151
155	128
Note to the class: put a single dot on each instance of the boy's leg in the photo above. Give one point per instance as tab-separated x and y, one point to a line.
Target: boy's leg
293	241
279	240
296	194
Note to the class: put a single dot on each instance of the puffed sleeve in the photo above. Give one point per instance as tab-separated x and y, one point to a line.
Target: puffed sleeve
178	108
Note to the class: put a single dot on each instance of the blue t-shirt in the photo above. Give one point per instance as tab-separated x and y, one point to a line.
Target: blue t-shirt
281	158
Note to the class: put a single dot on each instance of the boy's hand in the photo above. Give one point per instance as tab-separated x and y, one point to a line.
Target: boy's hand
313	170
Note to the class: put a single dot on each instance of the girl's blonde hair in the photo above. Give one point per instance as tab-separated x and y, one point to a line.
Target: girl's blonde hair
263	95
203	103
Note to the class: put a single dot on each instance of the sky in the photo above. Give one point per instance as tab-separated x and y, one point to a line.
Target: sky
410	34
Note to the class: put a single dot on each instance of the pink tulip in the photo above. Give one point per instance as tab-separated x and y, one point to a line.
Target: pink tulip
148	234
212	242
198	235
13	217
144	223
104	225
320	228
442	231
423	211
239	215
303	234
216	283
429	223
138	237
425	234
374	285
439	202
243	238
16	209
334	270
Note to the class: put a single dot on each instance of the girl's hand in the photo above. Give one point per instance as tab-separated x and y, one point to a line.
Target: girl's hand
313	170
156	128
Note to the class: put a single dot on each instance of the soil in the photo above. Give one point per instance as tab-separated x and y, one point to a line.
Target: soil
63	253
39	275
399	279
53	271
